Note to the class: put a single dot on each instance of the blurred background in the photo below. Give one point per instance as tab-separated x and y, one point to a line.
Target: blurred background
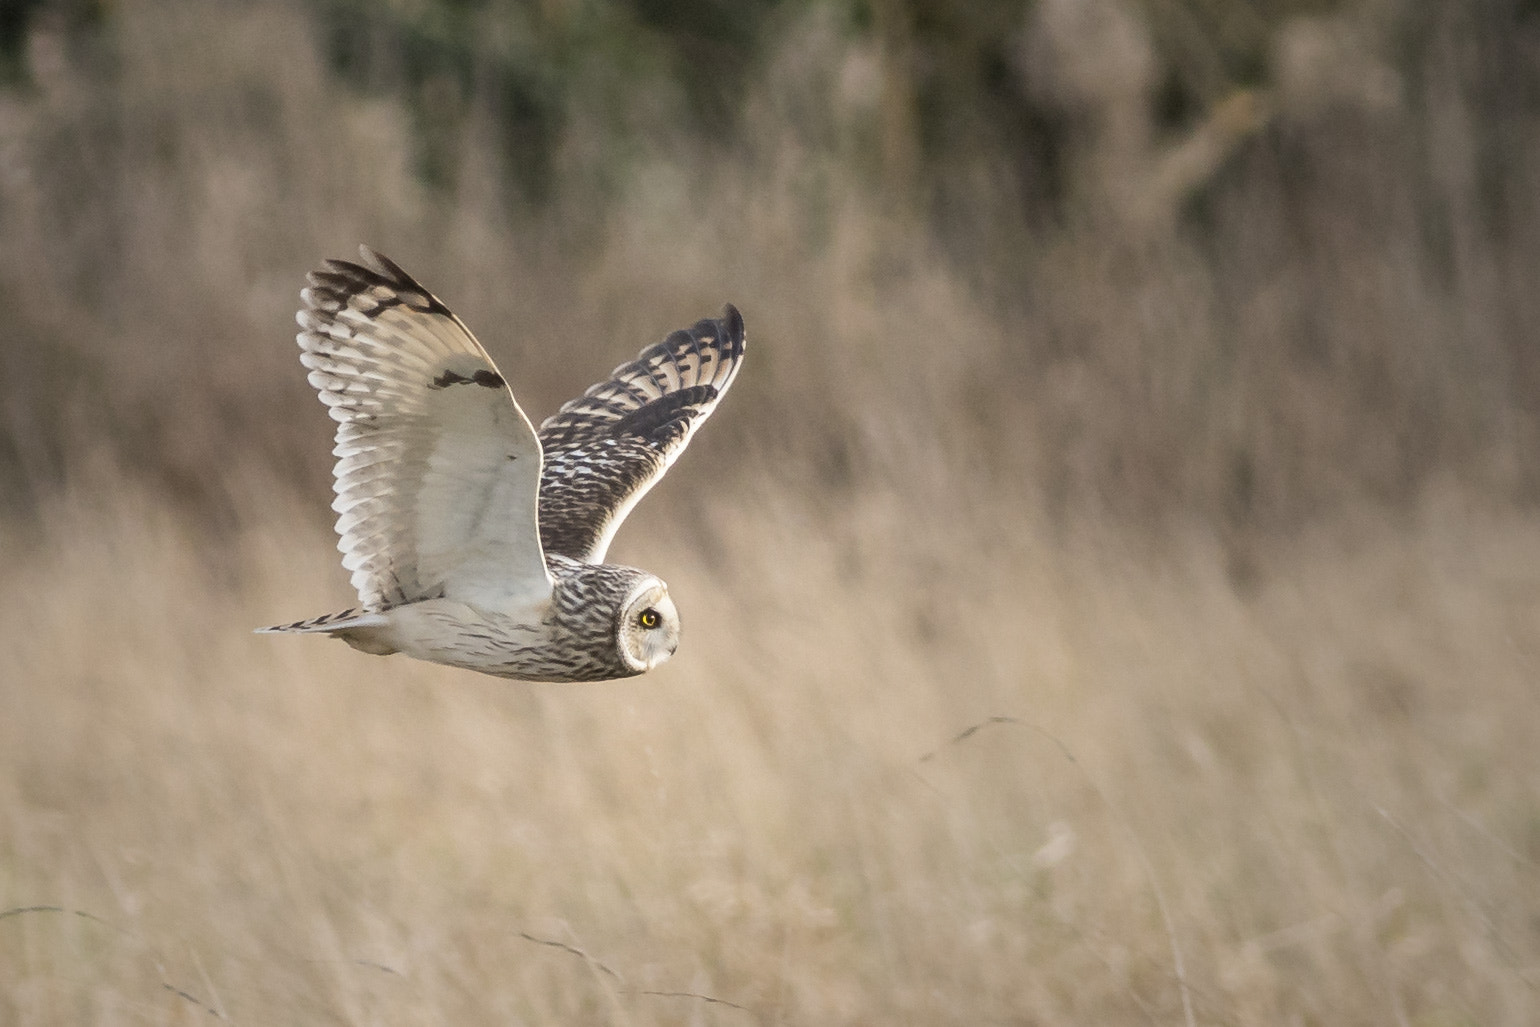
1111	592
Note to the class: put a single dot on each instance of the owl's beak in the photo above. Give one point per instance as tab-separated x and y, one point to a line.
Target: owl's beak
657	658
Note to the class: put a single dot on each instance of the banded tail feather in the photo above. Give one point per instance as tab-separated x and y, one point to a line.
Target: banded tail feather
358	628
329	623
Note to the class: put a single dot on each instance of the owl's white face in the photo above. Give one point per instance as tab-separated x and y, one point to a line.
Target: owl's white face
649	627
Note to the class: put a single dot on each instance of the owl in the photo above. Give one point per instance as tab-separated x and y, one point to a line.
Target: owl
473	540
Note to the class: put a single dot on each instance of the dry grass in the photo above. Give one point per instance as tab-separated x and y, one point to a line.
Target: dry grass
1219	773
1320	798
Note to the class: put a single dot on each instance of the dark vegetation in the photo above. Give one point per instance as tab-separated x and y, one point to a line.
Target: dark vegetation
1245	262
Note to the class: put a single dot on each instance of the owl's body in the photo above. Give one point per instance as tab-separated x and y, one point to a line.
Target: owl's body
581	632
472	541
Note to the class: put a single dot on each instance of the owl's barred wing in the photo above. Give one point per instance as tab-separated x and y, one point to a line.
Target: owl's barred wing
604	450
438	469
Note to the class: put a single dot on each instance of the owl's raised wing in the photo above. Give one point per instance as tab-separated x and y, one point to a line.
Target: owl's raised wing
438	469
604	450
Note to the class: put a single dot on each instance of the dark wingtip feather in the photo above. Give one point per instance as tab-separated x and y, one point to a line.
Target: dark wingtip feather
340	280
733	321
392	271
376	269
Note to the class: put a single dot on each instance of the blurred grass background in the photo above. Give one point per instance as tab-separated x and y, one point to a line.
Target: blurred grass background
1152	383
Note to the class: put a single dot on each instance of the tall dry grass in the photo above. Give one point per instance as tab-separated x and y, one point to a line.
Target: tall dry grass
1194	481
1315	804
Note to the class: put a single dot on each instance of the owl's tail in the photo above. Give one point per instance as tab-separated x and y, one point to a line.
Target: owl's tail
352	626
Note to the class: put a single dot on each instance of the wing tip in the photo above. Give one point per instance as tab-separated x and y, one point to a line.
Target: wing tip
372	268
383	265
733	322
729	335
730	327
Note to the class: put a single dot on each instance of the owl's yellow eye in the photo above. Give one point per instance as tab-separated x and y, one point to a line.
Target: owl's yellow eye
649	618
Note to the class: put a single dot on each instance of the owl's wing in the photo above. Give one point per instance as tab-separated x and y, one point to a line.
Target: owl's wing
604	450
438	469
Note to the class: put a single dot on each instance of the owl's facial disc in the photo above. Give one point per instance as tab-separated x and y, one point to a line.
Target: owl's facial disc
649	627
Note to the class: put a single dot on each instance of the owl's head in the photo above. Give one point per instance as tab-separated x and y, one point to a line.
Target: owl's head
648	630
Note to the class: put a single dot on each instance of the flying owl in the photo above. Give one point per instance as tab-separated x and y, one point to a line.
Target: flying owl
473	540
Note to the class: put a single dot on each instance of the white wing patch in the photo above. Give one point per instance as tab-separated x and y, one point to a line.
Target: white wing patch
438	470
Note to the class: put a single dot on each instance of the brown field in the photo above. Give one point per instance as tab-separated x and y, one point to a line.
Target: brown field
1312	803
1132	620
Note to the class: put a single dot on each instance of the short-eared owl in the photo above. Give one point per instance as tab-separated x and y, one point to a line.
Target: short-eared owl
473	540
